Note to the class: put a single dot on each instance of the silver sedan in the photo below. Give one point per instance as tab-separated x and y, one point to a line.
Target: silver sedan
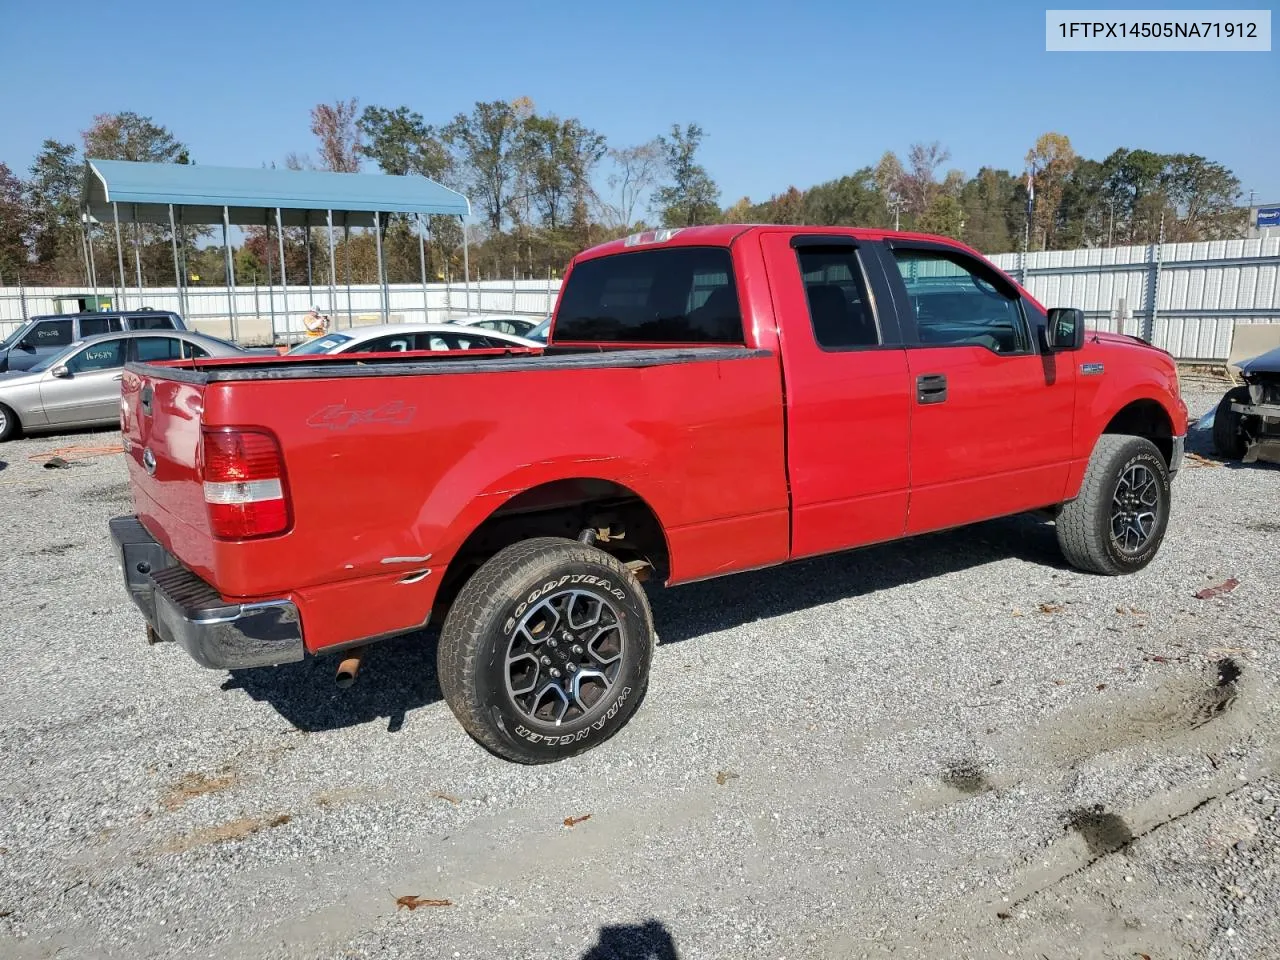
80	386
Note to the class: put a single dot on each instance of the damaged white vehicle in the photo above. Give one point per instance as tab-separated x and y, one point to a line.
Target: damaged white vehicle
1246	425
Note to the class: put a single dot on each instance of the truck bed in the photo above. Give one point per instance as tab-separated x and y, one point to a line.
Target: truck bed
390	461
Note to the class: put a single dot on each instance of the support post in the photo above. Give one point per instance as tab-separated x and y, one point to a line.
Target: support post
333	266
137	251
284	276
377	243
93	267
422	269
115	215
311	294
346	246
1157	253
177	270
466	262
271	286
231	270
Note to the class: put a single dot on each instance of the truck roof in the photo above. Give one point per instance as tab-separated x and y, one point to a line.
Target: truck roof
725	234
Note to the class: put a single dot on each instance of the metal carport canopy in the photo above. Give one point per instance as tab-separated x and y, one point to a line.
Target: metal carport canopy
143	193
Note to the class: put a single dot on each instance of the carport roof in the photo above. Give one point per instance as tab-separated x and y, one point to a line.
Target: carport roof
144	191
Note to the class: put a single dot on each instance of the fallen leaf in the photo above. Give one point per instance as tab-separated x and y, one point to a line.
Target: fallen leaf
1146	956
1004	916
574	821
1157	659
1121	610
410	902
1017	612
437	795
1208	593
1051	608
5	913
1102	686
1059	683
1196	460
724	776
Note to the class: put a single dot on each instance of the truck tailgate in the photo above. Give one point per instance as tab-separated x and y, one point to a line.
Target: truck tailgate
160	421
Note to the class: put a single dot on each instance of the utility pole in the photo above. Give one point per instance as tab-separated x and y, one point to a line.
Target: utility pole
896	205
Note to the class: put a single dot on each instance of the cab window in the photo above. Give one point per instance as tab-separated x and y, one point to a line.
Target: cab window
92	326
838	305
148	349
955	305
159	321
98	356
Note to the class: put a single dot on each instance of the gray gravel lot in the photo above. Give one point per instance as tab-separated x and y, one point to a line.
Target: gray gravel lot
954	746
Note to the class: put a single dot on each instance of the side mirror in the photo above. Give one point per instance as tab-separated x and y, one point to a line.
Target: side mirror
1065	329
60	372
25	344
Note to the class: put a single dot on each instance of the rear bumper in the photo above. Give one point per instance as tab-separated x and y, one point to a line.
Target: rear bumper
182	608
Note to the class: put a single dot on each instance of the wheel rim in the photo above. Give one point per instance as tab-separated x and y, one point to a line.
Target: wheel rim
1135	509
564	657
4	421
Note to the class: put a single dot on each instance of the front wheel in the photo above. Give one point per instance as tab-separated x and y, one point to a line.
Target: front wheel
1228	437
1118	521
545	652
8	423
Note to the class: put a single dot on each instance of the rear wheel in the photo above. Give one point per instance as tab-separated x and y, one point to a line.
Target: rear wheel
545	652
1118	521
1228	435
9	425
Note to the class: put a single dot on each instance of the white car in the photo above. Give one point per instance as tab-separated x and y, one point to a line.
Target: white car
502	323
400	337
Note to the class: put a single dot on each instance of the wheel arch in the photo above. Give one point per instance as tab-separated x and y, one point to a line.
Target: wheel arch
1144	417
632	529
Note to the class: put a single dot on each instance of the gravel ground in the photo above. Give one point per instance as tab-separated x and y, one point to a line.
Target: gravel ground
953	746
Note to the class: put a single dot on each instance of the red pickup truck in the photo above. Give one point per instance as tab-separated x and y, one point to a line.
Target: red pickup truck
711	399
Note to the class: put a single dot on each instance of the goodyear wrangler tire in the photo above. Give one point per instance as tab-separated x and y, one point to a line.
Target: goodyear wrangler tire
1118	521
545	652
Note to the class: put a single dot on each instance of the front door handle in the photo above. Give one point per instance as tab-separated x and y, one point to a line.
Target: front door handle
931	388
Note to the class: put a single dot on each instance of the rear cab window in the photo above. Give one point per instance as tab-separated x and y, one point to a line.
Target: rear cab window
159	321
676	295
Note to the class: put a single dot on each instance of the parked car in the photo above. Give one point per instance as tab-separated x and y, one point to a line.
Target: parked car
1246	424
42	337
80	385
401	337
730	398
507	323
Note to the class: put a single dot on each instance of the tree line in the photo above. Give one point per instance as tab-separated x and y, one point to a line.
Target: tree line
543	187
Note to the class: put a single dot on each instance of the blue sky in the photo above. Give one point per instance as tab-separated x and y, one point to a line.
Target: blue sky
786	93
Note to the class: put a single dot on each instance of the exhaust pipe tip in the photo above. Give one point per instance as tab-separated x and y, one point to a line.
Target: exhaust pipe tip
349	669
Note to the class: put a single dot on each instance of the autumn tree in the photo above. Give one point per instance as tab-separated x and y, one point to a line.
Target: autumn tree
14	224
994	206
848	201
890	178
920	183
1051	161
336	128
486	146
53	201
691	196
635	172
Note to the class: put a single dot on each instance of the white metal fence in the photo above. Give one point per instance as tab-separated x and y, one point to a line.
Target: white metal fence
274	314
1199	291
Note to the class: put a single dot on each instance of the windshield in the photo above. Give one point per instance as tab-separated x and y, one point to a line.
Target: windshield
16	335
320	344
539	332
60	357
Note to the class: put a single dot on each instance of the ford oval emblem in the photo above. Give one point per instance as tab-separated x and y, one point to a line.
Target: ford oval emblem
149	462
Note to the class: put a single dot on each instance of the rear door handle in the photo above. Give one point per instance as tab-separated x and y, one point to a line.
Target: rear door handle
931	388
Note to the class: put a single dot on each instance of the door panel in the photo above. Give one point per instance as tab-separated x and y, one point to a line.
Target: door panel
992	417
91	394
847	402
999	443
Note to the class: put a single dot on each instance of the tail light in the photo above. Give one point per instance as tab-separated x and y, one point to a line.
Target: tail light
244	484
